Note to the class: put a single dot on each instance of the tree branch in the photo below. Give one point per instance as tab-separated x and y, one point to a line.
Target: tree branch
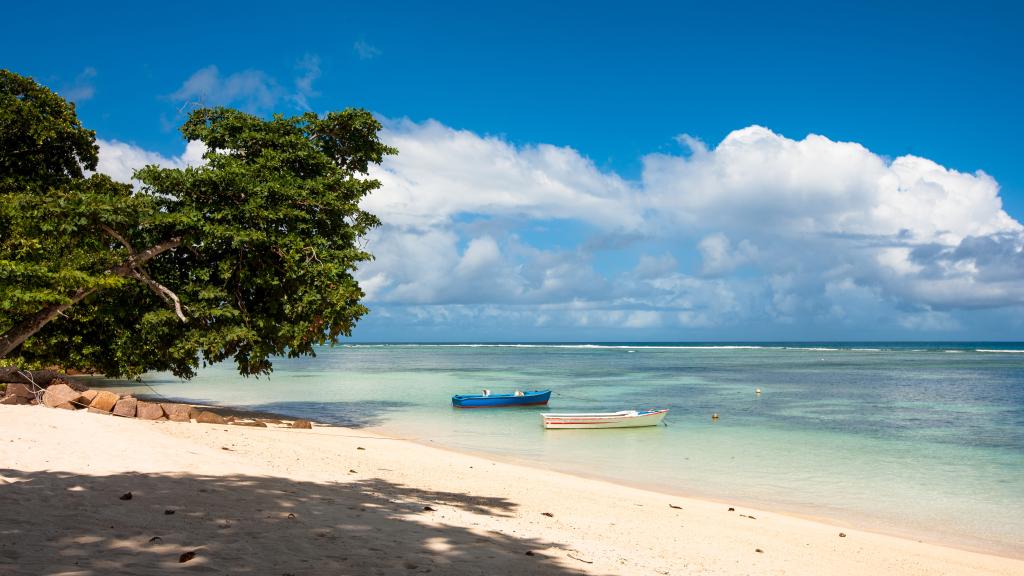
113	234
162	291
20	332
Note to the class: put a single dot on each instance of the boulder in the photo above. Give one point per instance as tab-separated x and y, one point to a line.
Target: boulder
210	418
126	407
253	423
104	401
20	390
59	394
149	411
304	424
77	386
193	413
89	395
177	412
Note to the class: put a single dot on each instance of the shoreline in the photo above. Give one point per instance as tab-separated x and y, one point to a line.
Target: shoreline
863	522
432	502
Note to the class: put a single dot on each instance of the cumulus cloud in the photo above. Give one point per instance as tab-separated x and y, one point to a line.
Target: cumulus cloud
760	230
816	209
805	188
441	173
718	255
120	160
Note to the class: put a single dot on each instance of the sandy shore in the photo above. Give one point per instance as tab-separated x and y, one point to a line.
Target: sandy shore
343	501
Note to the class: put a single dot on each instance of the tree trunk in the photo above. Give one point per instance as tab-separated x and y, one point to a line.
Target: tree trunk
40	377
14	337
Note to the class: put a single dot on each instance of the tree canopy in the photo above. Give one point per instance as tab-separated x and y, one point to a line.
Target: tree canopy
247	256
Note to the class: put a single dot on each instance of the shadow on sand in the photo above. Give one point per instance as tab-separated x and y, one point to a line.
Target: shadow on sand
56	523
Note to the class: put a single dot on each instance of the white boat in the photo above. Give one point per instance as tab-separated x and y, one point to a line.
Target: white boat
624	419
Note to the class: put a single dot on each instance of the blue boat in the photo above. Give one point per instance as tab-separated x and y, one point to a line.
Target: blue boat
530	398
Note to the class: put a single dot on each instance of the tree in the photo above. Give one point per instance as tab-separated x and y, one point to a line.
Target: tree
248	256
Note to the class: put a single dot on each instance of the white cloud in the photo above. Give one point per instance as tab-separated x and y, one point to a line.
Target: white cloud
760	230
120	160
928	321
441	173
365	51
310	68
815	208
82	88
251	90
795	188
719	257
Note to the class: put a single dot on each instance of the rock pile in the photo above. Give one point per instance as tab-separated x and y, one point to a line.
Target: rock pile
70	395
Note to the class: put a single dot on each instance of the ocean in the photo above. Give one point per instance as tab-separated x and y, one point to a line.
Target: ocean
916	439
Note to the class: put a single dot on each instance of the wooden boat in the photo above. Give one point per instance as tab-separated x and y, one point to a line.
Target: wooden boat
529	398
624	419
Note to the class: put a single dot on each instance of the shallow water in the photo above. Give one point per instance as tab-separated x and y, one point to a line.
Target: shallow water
919	438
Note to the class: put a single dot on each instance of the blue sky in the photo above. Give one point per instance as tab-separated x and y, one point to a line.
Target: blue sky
543	191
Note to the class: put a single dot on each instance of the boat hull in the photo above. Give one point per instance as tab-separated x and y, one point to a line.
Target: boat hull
628	419
532	398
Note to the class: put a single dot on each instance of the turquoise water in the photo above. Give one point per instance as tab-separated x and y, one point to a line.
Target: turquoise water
920	439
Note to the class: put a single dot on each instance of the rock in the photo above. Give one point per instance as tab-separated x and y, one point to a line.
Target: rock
13	400
58	394
303	424
126	496
186	556
89	395
148	410
177	412
103	401
20	390
76	386
68	406
193	413
254	423
210	418
126	407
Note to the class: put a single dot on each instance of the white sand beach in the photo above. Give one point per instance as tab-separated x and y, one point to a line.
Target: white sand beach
344	501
